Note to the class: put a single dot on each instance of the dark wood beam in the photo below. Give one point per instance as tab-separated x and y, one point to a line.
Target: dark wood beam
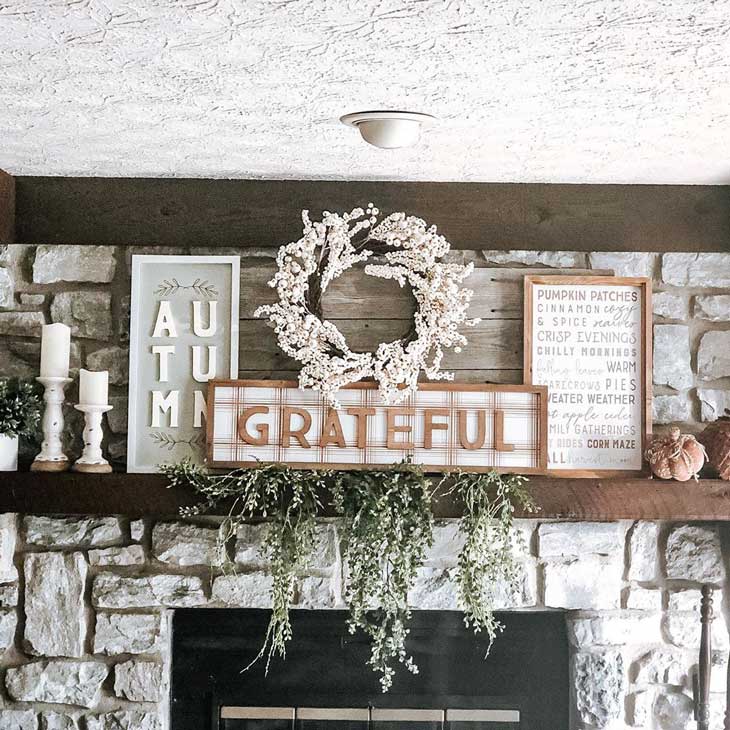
246	213
137	495
7	208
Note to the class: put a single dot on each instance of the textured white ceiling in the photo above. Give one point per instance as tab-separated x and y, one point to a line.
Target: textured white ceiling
556	91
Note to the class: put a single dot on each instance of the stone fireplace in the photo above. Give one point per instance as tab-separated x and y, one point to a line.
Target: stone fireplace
86	602
87	606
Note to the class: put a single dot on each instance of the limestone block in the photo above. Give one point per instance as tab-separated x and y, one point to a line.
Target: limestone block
315	592
693	553
662	666
18	720
683	629
715	307
137	530
22	324
8	624
8	539
55	623
713	403
640	707
8	595
138	681
179	543
574	539
672	356
670	409
434	589
85	532
589	583
58	721
126	633
7	289
32	300
672	711
599	686
553	259
448	542
615	630
88	314
118	417
113	359
120	556
643	599
57	681
643	546
246	590
124	720
624	263
696	269
175	591
249	539
59	262
713	356
670	306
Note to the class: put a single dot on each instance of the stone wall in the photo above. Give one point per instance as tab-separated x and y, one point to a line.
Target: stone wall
85	604
88	287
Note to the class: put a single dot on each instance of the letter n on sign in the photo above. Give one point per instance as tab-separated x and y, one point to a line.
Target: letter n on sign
441	427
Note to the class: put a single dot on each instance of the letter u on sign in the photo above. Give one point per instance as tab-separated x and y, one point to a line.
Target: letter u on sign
470	427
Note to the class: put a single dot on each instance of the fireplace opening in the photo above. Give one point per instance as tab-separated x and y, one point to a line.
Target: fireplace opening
325	683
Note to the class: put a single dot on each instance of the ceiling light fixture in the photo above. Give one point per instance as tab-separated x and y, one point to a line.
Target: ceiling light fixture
388	129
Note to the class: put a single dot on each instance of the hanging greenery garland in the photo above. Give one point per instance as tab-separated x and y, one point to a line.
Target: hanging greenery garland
386	528
413	253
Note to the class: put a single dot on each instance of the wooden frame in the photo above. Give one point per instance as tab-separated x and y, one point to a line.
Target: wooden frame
644	377
134	462
540	438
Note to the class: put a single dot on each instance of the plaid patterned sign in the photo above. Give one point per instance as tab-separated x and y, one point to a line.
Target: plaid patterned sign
443	427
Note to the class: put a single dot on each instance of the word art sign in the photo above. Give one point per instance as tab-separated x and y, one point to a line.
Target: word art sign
184	332
588	339
441	427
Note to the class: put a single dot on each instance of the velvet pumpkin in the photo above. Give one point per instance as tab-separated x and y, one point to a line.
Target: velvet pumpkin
676	456
716	439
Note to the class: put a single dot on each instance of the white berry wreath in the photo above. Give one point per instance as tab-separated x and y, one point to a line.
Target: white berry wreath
413	253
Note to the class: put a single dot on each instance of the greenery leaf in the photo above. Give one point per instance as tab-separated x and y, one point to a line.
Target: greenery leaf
20	408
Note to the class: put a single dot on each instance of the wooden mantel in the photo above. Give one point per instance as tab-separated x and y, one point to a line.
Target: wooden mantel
137	495
7	208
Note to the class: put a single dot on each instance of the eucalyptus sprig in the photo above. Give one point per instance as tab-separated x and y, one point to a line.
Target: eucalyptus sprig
388	527
486	562
289	500
20	408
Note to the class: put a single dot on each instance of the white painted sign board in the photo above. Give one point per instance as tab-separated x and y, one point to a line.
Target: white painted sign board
183	333
588	339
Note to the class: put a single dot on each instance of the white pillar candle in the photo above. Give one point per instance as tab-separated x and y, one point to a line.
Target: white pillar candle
93	388
55	348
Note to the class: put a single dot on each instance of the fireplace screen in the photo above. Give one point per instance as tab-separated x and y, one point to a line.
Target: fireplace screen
325	683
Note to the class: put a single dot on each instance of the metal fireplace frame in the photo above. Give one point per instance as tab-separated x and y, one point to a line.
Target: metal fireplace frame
527	669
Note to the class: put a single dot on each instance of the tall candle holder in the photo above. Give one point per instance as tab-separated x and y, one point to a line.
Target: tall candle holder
52	457
91	460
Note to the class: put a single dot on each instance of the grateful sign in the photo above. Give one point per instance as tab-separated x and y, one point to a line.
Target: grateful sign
441	427
588	339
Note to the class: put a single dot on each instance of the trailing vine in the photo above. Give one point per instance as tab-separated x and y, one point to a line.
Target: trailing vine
388	527
289	499
486	561
386	531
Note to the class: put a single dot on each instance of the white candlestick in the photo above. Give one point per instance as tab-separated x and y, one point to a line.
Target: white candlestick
55	349
52	457
92	460
93	388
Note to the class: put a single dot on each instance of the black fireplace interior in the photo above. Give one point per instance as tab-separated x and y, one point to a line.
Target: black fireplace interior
325	684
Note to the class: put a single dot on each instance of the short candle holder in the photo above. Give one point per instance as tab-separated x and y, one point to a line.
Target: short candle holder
91	461
52	457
